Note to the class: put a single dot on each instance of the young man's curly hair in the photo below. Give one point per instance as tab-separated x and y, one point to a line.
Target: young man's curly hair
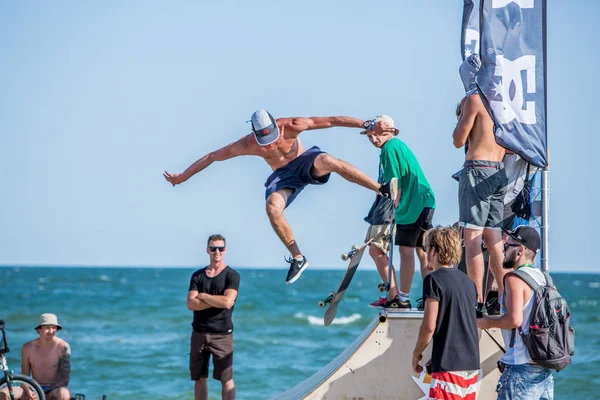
446	242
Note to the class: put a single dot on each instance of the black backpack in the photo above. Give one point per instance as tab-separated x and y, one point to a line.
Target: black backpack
521	205
551	339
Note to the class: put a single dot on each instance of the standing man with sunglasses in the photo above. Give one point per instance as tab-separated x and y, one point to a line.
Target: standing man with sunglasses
211	297
294	167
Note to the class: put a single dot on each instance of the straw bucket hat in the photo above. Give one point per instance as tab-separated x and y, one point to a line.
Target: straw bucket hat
48	319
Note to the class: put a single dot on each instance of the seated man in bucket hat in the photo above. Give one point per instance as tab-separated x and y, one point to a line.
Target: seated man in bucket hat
48	359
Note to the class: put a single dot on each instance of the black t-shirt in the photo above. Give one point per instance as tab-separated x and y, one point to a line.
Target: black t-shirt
455	340
214	320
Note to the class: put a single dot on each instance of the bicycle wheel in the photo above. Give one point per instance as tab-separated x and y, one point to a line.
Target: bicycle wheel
22	384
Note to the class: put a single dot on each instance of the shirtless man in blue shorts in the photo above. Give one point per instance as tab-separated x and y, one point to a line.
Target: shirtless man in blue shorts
294	167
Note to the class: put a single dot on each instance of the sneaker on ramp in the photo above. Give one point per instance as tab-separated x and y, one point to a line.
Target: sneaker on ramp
381	302
397	303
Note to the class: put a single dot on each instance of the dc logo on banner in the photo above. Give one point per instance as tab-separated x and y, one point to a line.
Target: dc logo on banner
513	105
520	3
471	42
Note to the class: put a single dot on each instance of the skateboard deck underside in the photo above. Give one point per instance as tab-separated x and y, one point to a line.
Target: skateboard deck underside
352	267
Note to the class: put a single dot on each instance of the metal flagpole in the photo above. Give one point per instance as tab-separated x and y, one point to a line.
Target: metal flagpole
545	218
546	172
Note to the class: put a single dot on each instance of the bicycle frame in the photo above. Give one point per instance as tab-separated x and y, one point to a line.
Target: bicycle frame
3	363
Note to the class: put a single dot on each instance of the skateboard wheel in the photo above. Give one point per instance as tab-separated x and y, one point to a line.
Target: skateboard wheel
382	287
321	304
345	257
354	247
331	295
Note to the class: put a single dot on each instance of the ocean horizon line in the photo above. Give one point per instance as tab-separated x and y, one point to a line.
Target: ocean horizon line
248	267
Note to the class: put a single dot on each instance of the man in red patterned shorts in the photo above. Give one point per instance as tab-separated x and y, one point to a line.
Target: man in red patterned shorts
449	319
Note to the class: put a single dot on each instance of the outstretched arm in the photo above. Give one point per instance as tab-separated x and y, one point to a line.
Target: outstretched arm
306	124
468	111
235	149
300	124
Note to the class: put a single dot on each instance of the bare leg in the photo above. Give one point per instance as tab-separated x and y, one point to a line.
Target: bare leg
381	262
474	259
490	282
495	245
407	268
17	391
59	394
228	390
275	206
201	389
422	262
324	164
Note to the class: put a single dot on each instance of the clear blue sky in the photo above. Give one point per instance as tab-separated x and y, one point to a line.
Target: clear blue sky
98	99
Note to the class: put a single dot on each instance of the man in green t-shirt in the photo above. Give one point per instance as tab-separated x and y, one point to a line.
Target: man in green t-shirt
412	217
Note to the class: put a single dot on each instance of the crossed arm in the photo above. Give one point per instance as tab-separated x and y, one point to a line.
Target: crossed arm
201	301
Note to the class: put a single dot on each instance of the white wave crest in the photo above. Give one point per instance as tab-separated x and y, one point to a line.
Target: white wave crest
337	321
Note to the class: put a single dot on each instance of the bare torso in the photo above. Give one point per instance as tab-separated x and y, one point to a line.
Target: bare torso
481	140
283	151
44	359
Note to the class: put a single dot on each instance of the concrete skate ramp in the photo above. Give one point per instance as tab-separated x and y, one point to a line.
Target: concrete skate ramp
377	365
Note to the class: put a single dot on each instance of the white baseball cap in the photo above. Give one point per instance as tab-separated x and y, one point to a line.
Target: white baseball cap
386	119
264	127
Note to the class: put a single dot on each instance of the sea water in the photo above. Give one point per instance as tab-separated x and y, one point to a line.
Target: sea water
129	328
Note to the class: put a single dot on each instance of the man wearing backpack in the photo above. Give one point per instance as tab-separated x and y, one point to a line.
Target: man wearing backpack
521	378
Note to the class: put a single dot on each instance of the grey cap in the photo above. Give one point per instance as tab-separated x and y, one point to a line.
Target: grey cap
264	127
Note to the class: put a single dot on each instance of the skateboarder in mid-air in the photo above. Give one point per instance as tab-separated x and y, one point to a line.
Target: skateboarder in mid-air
294	167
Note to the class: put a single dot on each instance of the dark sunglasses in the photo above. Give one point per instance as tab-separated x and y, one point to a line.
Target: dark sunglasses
215	248
507	245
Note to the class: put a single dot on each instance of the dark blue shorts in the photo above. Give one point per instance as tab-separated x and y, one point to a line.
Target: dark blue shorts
295	175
